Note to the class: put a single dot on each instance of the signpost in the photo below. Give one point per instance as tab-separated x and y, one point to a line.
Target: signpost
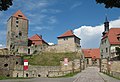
25	66
65	61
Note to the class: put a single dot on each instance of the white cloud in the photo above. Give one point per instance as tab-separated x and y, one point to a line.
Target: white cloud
50	43
91	35
52	20
2	46
75	5
53	11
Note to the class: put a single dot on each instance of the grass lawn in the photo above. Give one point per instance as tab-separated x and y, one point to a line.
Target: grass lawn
51	59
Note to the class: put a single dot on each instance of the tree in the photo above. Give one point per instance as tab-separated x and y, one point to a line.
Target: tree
109	3
5	4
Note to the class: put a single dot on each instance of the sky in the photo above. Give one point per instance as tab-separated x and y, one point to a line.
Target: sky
51	18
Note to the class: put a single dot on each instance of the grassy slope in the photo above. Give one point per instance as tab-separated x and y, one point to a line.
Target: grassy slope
50	59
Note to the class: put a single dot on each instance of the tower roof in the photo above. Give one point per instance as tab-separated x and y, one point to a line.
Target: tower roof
19	14
35	37
37	40
106	19
66	34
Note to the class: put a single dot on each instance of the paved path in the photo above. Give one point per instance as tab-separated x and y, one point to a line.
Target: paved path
90	74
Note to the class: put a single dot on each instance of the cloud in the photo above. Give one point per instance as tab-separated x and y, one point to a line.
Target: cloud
75	5
52	20
91	35
53	11
50	43
2	46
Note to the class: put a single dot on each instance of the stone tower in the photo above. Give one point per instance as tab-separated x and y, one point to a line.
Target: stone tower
106	26
17	33
69	42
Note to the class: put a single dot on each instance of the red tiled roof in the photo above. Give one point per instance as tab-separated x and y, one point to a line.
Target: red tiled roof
91	53
35	37
68	33
37	40
86	52
19	14
112	35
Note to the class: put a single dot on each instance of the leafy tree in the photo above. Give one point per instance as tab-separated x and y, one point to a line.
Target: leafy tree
5	4
109	3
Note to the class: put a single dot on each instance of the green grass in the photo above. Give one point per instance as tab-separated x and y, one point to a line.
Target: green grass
51	59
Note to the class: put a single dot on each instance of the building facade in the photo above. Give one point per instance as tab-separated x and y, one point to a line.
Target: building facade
67	42
36	44
17	33
92	56
109	42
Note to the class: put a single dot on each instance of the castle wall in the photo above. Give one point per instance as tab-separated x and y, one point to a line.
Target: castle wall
7	63
45	71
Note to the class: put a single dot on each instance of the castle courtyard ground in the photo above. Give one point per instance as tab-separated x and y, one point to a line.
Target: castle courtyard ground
90	74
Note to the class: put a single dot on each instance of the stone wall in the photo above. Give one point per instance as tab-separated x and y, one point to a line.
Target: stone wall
7	63
4	51
34	71
62	48
47	71
37	48
111	67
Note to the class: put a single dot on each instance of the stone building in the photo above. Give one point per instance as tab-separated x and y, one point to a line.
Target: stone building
67	42
110	40
17	33
110	62
92	56
36	43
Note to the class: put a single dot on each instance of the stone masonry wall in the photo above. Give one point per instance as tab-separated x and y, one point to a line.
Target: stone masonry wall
111	67
7	63
45	71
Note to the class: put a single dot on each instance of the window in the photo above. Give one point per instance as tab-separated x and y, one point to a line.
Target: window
17	22
28	51
118	38
5	65
65	39
16	25
106	49
105	41
16	62
16	18
20	16
20	33
87	61
101	51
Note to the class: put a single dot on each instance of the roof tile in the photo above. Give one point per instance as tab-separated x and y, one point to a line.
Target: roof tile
68	33
19	14
113	35
92	53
